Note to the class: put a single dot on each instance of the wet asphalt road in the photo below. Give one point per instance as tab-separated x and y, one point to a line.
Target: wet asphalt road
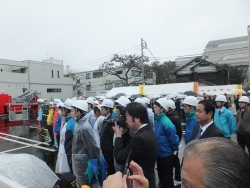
31	131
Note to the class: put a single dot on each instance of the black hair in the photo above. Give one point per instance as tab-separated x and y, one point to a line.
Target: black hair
96	110
67	110
208	107
110	109
121	109
136	110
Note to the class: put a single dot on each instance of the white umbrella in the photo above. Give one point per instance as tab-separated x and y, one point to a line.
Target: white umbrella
153	96
27	170
168	97
182	96
173	95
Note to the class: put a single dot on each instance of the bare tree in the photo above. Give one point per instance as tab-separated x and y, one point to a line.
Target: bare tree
164	71
76	79
120	63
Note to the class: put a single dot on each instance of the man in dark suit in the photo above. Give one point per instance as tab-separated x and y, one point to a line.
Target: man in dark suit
143	145
204	115
107	134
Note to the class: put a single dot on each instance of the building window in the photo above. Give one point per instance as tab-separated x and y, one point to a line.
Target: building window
88	87
88	75
119	85
54	90
204	64
1	70
97	74
108	86
150	75
52	73
135	84
78	81
135	73
57	74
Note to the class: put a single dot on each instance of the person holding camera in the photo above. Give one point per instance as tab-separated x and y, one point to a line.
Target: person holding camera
121	103
142	147
107	135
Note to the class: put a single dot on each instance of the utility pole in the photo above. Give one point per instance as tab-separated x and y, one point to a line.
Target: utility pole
142	62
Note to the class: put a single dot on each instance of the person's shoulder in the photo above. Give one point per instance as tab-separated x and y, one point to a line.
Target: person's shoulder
215	129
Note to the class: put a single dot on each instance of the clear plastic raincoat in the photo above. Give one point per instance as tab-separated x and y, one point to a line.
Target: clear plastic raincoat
62	162
97	129
84	146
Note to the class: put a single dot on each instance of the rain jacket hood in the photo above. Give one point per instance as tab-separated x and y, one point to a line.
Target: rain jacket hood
168	141
92	117
191	115
191	123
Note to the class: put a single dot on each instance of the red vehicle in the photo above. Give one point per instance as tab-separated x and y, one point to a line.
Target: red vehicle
16	104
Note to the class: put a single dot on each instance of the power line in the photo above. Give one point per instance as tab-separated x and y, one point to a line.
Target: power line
93	64
109	55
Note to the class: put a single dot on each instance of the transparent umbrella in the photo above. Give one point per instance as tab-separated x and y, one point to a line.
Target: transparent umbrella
26	171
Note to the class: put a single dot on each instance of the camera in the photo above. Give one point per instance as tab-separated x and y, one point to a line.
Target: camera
120	121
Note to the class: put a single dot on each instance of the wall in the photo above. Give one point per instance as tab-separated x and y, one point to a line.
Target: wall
38	77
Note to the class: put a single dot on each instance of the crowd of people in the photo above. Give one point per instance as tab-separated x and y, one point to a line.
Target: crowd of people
98	138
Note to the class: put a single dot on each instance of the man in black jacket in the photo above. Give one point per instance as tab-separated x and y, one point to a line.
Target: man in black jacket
236	102
173	116
143	145
205	115
107	134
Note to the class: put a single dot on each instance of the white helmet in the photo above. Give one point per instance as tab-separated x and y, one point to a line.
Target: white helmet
57	101
108	103
221	98
68	103
80	104
146	100
244	99
51	103
171	104
164	103
101	98
60	104
124	101
140	100
96	102
90	100
191	100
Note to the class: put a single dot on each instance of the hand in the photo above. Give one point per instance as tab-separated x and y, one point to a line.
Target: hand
139	180
117	130
115	181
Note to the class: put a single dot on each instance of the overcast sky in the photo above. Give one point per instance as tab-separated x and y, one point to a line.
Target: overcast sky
89	32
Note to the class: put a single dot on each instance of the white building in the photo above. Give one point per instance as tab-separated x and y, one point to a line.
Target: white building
46	77
97	82
232	51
